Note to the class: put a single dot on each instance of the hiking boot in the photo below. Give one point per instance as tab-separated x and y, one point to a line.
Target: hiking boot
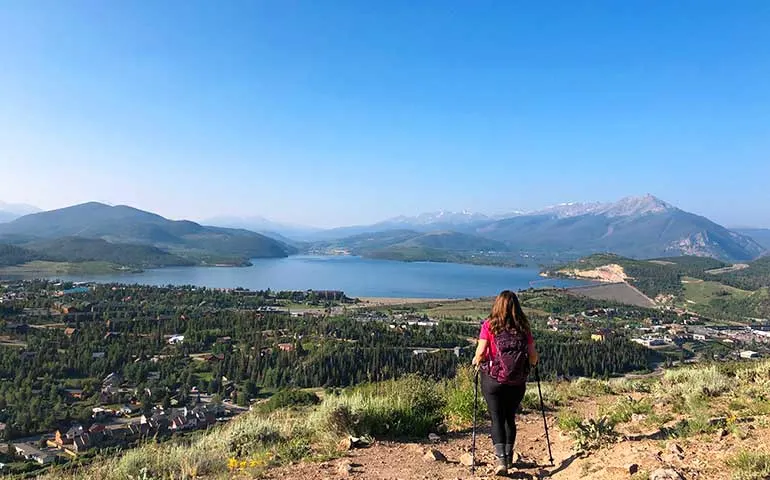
501	469
502	461
509	455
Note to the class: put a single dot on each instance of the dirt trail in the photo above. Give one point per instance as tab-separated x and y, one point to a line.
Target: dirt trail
703	457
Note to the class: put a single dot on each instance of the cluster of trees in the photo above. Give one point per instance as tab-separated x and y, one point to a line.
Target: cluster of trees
564	356
14	255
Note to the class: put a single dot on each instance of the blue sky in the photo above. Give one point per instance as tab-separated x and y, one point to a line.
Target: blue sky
330	113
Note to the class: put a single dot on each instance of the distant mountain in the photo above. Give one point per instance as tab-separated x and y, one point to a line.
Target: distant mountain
759	235
410	245
424	222
12	211
443	240
639	227
280	231
434	220
127	225
626	207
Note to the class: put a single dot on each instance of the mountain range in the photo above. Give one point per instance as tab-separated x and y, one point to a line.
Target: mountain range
128	236
636	227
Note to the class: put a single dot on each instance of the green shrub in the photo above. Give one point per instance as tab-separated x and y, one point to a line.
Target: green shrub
708	381
657	420
695	425
458	411
625	408
593	434
409	407
288	398
586	387
626	385
552	397
568	421
750	465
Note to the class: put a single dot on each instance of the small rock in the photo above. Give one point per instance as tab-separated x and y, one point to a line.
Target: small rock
434	437
466	459
434	455
722	433
344	468
672	458
632	468
675	448
616	472
638	417
665	474
345	444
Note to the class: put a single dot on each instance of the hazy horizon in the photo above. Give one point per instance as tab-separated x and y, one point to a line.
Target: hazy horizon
347	115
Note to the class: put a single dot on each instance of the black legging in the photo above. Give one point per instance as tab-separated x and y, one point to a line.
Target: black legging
502	402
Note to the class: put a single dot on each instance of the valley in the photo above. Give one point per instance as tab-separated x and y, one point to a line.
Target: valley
120	351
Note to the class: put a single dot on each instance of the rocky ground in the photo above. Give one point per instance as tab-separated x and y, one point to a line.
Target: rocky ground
639	456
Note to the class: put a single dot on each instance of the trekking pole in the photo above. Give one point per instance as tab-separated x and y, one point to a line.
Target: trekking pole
542	408
473	437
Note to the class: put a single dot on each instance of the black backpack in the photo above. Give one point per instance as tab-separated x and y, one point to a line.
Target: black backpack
511	362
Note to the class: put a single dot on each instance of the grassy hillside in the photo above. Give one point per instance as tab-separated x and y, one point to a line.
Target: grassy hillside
757	275
693	283
603	420
652	277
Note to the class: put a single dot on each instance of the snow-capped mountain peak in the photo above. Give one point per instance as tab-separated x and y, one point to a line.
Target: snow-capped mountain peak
625	207
635	206
439	217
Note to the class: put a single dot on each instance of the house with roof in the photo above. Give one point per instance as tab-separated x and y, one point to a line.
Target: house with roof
215	357
67	437
139	430
74	393
112	380
31	452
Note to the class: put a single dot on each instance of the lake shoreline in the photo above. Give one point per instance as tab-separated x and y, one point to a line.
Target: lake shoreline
357	277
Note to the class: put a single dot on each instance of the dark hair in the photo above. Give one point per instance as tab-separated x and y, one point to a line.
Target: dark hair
508	315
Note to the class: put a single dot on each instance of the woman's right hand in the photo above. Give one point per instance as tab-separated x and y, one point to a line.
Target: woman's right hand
476	363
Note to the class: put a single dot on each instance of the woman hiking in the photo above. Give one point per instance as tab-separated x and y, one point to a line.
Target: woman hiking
504	354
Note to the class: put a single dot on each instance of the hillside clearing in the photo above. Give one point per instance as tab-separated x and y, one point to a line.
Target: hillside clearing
615	292
698	291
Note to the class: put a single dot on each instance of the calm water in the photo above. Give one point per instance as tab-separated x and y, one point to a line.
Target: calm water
356	276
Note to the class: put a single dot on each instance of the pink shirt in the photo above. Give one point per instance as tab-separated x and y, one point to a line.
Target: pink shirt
486	334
